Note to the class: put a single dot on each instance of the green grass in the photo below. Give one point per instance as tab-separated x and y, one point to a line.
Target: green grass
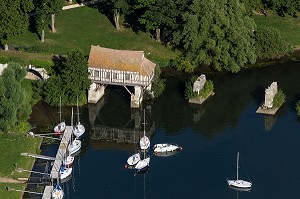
288	26
85	26
11	194
12	146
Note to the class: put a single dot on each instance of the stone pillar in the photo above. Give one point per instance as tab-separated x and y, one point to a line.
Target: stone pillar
270	93
199	83
95	93
137	97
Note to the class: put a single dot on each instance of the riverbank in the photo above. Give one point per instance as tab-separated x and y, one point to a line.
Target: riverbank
11	147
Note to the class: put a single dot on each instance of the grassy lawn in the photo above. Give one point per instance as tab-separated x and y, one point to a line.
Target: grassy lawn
85	26
12	146
11	194
288	26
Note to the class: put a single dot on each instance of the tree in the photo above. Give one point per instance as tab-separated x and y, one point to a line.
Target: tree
117	7
270	43
53	90
75	77
12	97
285	6
42	19
251	5
52	7
161	16
13	19
217	33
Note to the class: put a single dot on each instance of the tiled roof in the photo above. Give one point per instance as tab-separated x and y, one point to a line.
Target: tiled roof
124	60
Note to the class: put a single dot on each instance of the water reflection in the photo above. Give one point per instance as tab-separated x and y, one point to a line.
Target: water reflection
109	131
270	121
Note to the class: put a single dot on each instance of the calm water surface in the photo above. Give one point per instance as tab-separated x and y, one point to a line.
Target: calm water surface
210	134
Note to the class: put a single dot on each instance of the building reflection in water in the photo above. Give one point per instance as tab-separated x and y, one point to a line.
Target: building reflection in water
270	121
124	137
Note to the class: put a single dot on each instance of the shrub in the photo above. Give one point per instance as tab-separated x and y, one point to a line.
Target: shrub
279	98
207	89
298	108
204	92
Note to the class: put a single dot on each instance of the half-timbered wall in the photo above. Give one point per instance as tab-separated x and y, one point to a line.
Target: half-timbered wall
119	77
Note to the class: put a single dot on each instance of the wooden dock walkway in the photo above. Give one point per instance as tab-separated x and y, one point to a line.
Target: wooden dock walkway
61	152
43	157
47	192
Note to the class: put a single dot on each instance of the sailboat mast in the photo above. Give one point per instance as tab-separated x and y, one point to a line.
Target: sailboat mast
237	165
144	122
72	125
77	111
59	109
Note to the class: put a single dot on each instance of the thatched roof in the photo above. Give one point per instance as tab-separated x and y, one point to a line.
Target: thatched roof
123	60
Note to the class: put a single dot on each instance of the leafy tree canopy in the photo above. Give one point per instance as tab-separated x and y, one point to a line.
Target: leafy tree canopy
13	18
71	82
270	43
12	96
218	33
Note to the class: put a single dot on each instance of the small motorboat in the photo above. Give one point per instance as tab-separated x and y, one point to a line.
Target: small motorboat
133	159
142	164
57	192
68	161
165	147
64	172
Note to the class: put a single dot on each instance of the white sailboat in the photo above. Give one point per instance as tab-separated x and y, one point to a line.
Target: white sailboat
68	161
61	127
65	172
75	144
240	184
79	129
57	192
143	164
144	141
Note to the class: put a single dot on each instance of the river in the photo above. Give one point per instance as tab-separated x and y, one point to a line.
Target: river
210	134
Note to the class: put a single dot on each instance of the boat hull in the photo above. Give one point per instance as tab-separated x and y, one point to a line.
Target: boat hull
60	128
74	146
57	193
144	143
65	172
79	131
142	164
241	184
134	159
163	148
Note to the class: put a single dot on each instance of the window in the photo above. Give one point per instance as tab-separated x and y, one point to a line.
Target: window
107	75
127	76
115	75
96	73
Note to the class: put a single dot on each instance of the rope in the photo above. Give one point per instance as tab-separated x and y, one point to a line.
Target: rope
245	170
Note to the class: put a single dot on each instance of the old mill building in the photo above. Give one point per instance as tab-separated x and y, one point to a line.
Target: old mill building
119	67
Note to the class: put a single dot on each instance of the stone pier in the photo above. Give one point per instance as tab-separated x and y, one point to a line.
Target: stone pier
136	97
267	106
96	92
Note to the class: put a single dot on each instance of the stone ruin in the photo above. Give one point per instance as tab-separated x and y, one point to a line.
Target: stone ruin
199	83
270	93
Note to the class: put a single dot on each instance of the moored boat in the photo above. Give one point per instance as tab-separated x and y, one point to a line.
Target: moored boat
165	147
240	184
57	192
142	164
68	161
133	159
65	172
